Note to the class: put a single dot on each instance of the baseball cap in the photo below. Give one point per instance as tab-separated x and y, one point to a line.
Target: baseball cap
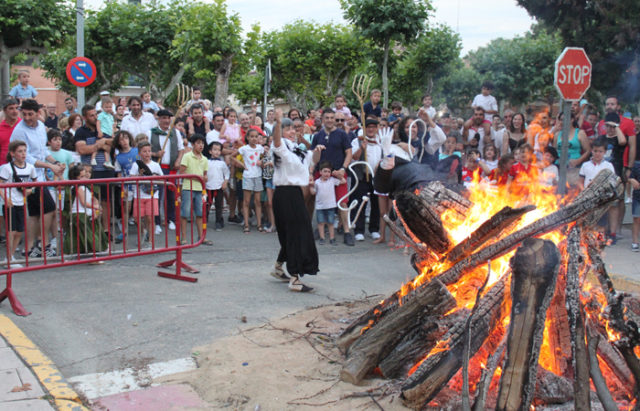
370	121
104	93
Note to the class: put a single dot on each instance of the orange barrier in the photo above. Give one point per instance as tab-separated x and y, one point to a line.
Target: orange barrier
80	235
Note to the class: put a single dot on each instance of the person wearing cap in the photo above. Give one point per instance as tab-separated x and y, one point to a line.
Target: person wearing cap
366	148
616	145
167	148
548	170
11	120
104	94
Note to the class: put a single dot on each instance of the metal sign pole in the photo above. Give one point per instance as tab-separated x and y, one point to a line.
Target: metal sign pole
564	156
80	45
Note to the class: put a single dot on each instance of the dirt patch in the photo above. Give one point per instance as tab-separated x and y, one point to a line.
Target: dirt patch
287	364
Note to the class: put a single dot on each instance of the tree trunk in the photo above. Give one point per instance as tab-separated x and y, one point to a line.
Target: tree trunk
385	78
5	78
223	72
535	268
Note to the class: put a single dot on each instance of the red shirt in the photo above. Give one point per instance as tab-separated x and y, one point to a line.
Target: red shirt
243	132
5	136
500	180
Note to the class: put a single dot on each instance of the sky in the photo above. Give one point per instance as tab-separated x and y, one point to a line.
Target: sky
478	22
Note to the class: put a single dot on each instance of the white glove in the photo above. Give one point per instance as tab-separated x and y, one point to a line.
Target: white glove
385	135
388	162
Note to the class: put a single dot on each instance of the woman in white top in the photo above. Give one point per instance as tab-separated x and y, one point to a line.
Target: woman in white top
293	223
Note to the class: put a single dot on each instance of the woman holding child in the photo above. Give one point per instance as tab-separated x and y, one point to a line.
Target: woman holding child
293	224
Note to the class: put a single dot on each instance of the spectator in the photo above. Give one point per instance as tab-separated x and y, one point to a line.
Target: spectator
268	124
499	176
196	98
341	106
325	193
11	120
477	130
217	181
634	180
23	90
103	96
148	104
579	147
372	106
523	173
51	121
590	169
252	177
616	142
137	121
215	134
514	134
70	105
127	155
231	129
426	105
486	101
471	170
33	133
245	126
549	170
294	113
337	151
145	196
449	165
396	113
193	163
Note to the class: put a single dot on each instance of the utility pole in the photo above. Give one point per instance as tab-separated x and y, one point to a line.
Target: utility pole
80	45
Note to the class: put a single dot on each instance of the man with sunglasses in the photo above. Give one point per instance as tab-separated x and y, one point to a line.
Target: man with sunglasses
337	151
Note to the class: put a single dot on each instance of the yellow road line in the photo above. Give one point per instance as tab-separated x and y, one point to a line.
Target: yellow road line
45	370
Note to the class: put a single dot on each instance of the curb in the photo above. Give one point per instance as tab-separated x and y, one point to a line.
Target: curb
65	397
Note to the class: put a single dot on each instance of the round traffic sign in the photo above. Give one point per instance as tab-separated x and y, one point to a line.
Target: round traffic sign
572	75
81	71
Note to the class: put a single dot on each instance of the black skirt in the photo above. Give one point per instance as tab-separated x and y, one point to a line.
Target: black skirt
293	224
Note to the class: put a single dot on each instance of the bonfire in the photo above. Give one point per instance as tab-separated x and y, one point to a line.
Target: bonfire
511	307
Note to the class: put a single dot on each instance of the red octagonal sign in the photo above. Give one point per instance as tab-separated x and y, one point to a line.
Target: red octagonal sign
572	76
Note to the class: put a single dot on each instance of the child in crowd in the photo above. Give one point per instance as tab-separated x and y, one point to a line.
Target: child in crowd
145	202
341	106
634	180
231	129
449	161
217	180
426	105
589	170
489	159
148	104
23	89
54	139
549	170
193	163
372	106
486	101
396	113
105	126
142	138
85	233
16	170
499	176
523	173
267	176
471	169
324	190
251	177
126	158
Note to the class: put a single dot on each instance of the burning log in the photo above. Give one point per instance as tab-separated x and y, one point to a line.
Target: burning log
419	341
602	190
551	388
596	375
369	349
490	228
576	322
535	268
484	384
434	372
422	222
559	337
441	198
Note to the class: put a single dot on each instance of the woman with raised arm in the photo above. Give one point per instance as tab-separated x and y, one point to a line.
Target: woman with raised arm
293	223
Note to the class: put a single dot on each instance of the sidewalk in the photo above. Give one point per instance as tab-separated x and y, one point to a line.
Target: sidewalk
28	379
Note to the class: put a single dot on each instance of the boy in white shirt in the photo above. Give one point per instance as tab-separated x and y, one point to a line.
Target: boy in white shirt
217	180
486	101
251	177
324	189
589	170
426	105
145	203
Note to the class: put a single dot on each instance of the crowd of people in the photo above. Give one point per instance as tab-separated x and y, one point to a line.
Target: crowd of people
244	157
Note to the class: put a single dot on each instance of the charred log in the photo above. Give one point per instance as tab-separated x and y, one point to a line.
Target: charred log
535	268
441	198
436	370
422	222
365	354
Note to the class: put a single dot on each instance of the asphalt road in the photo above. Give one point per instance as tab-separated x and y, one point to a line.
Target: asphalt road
91	319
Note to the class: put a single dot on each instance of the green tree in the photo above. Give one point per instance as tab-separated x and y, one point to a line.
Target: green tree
384	21
310	63
458	88
434	54
126	40
607	30
30	26
521	68
247	78
212	40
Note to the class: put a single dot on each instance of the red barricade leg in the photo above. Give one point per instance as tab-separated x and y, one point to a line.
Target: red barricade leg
16	306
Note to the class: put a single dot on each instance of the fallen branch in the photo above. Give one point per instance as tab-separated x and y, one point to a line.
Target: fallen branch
596	375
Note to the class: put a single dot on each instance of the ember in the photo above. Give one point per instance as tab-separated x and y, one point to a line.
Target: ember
449	330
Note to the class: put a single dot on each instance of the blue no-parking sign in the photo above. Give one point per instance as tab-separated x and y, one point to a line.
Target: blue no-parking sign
81	71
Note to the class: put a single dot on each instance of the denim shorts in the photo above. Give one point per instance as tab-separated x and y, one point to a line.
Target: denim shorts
252	184
326	216
188	201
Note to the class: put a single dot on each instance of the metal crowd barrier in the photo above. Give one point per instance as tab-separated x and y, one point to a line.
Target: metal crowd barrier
78	238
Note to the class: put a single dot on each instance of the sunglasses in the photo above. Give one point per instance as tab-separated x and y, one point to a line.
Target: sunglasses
339	120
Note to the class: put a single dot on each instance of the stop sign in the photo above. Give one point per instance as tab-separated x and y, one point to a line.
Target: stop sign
572	76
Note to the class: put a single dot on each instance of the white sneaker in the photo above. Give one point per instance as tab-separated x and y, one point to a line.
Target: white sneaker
132	221
172	226
94	162
634	247
359	237
158	230
375	235
108	164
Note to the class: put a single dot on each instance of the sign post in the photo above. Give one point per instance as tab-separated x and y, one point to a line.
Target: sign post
572	78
